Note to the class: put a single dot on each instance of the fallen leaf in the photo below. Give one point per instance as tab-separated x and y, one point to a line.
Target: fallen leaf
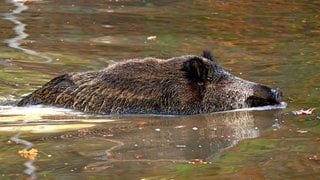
26	0
301	131
304	112
9	142
29	154
138	156
198	161
108	135
316	158
152	38
227	43
142	122
317	139
178	127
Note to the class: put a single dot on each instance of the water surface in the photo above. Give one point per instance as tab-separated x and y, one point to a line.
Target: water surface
274	43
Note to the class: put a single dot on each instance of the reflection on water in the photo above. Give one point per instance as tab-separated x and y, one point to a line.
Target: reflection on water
20	30
30	168
110	140
181	138
14	42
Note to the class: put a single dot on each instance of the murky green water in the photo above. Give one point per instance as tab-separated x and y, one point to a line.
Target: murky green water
276	43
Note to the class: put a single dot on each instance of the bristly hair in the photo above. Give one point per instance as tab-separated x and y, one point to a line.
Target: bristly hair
207	54
195	70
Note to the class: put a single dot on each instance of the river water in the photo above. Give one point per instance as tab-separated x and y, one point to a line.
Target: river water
275	42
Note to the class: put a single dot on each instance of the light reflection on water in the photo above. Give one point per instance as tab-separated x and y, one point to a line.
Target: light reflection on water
19	29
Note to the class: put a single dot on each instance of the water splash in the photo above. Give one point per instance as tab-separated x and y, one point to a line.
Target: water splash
19	29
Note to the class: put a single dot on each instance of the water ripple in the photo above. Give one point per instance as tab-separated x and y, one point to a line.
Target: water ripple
19	29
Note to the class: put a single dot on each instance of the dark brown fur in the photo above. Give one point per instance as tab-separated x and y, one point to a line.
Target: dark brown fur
180	85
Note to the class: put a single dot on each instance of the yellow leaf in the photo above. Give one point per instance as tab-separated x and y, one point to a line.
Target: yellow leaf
29	154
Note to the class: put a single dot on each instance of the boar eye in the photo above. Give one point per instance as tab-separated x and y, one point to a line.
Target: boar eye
213	73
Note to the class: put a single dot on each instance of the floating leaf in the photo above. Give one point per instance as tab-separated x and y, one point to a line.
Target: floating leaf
198	161
304	112
29	154
301	131
152	38
138	156
178	127
142	122
316	158
9	142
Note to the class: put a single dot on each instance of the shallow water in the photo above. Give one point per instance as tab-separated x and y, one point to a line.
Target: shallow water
274	43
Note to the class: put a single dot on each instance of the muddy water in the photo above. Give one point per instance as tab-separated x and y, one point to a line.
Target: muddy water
275	43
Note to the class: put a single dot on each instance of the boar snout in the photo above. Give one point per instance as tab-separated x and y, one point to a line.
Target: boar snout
263	95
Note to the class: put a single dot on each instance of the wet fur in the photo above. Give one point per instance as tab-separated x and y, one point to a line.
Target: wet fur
180	85
135	86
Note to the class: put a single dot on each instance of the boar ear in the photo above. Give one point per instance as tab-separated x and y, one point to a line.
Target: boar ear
195	70
208	55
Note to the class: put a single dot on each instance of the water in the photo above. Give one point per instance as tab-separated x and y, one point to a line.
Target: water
274	43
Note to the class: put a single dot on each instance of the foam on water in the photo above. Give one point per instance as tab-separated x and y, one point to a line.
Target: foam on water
282	105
